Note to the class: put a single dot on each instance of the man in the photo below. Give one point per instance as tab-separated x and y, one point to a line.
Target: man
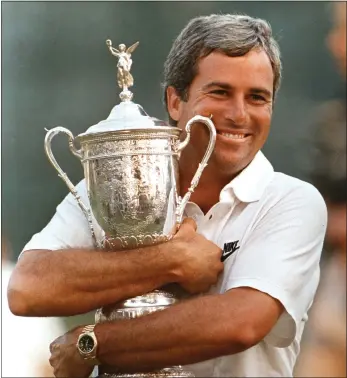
270	226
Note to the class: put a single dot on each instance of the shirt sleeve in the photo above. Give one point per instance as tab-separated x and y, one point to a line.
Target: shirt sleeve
68	228
281	258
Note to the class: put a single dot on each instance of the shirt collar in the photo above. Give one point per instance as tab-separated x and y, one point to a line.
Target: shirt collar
250	184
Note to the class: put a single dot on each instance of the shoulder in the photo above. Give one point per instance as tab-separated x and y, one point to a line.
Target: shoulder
69	227
70	199
284	186
287	196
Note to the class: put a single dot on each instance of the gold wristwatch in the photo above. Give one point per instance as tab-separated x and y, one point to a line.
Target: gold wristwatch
87	344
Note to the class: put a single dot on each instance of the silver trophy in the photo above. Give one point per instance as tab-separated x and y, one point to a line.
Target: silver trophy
130	163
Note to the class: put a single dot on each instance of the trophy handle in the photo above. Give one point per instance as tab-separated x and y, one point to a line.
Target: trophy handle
207	121
48	140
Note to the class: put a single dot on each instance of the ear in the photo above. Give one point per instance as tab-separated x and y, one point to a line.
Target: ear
174	103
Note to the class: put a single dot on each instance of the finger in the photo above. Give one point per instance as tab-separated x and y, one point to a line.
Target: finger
189	222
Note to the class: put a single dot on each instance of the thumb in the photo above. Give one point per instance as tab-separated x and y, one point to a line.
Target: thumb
189	223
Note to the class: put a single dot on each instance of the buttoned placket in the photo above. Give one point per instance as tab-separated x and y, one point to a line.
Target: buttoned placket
221	213
214	221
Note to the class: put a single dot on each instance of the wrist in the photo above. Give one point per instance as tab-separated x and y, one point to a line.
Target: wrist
172	253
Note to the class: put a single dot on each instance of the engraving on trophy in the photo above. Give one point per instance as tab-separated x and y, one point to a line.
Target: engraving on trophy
124	77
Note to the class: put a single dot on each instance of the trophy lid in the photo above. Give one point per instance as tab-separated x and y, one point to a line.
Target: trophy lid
127	115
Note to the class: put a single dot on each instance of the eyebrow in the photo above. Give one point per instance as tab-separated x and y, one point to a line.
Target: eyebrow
219	84
228	87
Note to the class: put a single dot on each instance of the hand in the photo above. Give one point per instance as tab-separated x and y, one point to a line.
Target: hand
65	358
200	259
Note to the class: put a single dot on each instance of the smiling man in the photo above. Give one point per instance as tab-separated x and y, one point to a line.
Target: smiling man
238	93
266	227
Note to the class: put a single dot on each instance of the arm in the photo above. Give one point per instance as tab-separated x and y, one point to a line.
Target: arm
190	332
114	51
69	282
75	281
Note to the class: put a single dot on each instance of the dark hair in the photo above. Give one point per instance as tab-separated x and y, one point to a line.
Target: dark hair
234	35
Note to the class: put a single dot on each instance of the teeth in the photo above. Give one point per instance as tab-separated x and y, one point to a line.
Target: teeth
233	136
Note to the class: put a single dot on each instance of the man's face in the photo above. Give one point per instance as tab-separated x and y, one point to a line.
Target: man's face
238	92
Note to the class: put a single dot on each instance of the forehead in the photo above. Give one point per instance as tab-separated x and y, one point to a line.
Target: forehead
252	69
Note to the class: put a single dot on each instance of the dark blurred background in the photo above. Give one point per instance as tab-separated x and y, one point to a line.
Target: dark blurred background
57	70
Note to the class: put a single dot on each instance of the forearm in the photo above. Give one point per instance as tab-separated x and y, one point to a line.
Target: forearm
189	332
149	361
69	282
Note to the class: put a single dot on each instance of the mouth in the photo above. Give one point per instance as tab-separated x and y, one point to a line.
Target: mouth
234	136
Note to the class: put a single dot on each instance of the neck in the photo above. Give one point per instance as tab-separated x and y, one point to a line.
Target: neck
206	193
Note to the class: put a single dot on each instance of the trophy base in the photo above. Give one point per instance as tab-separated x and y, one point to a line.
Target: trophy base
172	372
139	306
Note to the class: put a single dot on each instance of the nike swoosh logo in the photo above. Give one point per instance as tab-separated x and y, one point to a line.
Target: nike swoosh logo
225	255
229	249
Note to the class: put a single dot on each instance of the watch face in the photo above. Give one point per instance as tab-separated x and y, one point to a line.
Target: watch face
86	344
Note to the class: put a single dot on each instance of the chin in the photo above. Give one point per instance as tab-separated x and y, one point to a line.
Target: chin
230	165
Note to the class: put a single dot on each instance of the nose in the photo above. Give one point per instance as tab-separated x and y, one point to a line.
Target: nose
236	111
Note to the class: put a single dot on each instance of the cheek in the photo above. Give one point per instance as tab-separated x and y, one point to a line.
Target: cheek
207	106
262	118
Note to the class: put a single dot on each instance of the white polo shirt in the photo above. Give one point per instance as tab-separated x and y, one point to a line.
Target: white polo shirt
271	228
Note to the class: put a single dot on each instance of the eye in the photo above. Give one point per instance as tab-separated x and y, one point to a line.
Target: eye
219	92
258	98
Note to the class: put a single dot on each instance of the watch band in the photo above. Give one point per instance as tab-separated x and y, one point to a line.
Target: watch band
88	328
91	358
